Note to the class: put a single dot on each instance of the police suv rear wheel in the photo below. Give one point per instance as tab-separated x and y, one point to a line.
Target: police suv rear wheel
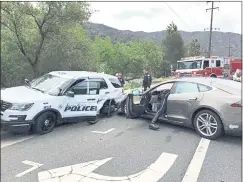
45	123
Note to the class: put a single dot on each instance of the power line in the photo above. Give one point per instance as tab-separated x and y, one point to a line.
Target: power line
211	27
177	15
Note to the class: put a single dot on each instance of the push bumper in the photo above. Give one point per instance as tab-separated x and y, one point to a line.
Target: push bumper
16	121
16	126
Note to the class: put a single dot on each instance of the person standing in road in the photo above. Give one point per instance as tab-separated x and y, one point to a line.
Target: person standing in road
121	79
147	79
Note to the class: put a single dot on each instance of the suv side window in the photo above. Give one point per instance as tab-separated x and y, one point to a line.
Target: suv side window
80	88
103	84
185	88
115	82
204	88
89	87
95	85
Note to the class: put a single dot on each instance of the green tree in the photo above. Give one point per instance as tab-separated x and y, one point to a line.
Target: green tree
153	57
105	54
70	49
14	67
173	45
131	58
33	25
193	49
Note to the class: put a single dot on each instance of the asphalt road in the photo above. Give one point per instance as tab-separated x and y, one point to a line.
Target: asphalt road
132	147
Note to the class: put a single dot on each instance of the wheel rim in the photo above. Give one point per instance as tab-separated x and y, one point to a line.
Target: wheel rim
48	123
207	124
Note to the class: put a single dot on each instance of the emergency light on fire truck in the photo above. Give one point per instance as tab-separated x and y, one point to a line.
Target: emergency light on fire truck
192	58
199	57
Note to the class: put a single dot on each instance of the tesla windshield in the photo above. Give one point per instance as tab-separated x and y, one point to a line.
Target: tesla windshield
194	64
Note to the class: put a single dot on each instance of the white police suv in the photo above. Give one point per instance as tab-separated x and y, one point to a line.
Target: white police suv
58	96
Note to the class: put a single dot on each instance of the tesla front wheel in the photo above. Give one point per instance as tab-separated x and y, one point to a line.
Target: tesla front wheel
208	124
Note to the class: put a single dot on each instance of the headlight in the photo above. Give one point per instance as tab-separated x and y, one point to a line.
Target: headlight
21	107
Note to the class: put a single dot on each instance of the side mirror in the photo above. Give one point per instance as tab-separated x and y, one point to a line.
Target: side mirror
55	91
70	94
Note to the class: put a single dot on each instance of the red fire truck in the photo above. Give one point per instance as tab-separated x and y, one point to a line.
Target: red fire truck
213	66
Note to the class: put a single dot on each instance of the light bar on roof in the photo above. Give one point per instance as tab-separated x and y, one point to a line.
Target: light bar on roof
192	58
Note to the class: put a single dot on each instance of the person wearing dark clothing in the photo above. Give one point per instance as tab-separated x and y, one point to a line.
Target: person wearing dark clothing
162	110
122	81
147	80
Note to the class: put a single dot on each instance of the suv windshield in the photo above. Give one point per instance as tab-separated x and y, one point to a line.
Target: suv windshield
48	82
189	64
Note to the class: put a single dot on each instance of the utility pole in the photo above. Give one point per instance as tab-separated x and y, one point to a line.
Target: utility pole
211	27
229	47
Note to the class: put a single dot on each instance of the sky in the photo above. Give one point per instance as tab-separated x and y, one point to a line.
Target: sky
155	16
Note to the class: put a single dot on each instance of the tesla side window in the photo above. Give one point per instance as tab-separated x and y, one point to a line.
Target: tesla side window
186	87
166	86
204	88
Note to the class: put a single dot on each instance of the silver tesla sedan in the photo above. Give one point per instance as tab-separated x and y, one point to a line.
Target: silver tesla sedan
211	106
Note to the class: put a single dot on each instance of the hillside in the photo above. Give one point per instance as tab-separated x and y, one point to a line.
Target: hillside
220	40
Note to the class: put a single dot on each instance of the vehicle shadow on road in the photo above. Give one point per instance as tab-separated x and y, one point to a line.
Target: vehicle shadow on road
235	140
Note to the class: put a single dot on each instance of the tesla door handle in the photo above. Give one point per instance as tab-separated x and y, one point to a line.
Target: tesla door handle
107	92
90	99
193	98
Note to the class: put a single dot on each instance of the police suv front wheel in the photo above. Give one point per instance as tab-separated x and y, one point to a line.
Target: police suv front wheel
95	120
45	123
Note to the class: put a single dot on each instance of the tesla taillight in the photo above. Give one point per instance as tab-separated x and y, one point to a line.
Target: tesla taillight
236	105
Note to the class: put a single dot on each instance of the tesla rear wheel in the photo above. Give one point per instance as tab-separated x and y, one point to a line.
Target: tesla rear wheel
208	124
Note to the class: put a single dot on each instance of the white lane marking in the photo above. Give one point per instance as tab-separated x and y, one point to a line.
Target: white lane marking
84	172
158	169
195	165
34	164
13	141
103	132
83	168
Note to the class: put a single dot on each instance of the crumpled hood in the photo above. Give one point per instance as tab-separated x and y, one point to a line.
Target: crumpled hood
22	94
